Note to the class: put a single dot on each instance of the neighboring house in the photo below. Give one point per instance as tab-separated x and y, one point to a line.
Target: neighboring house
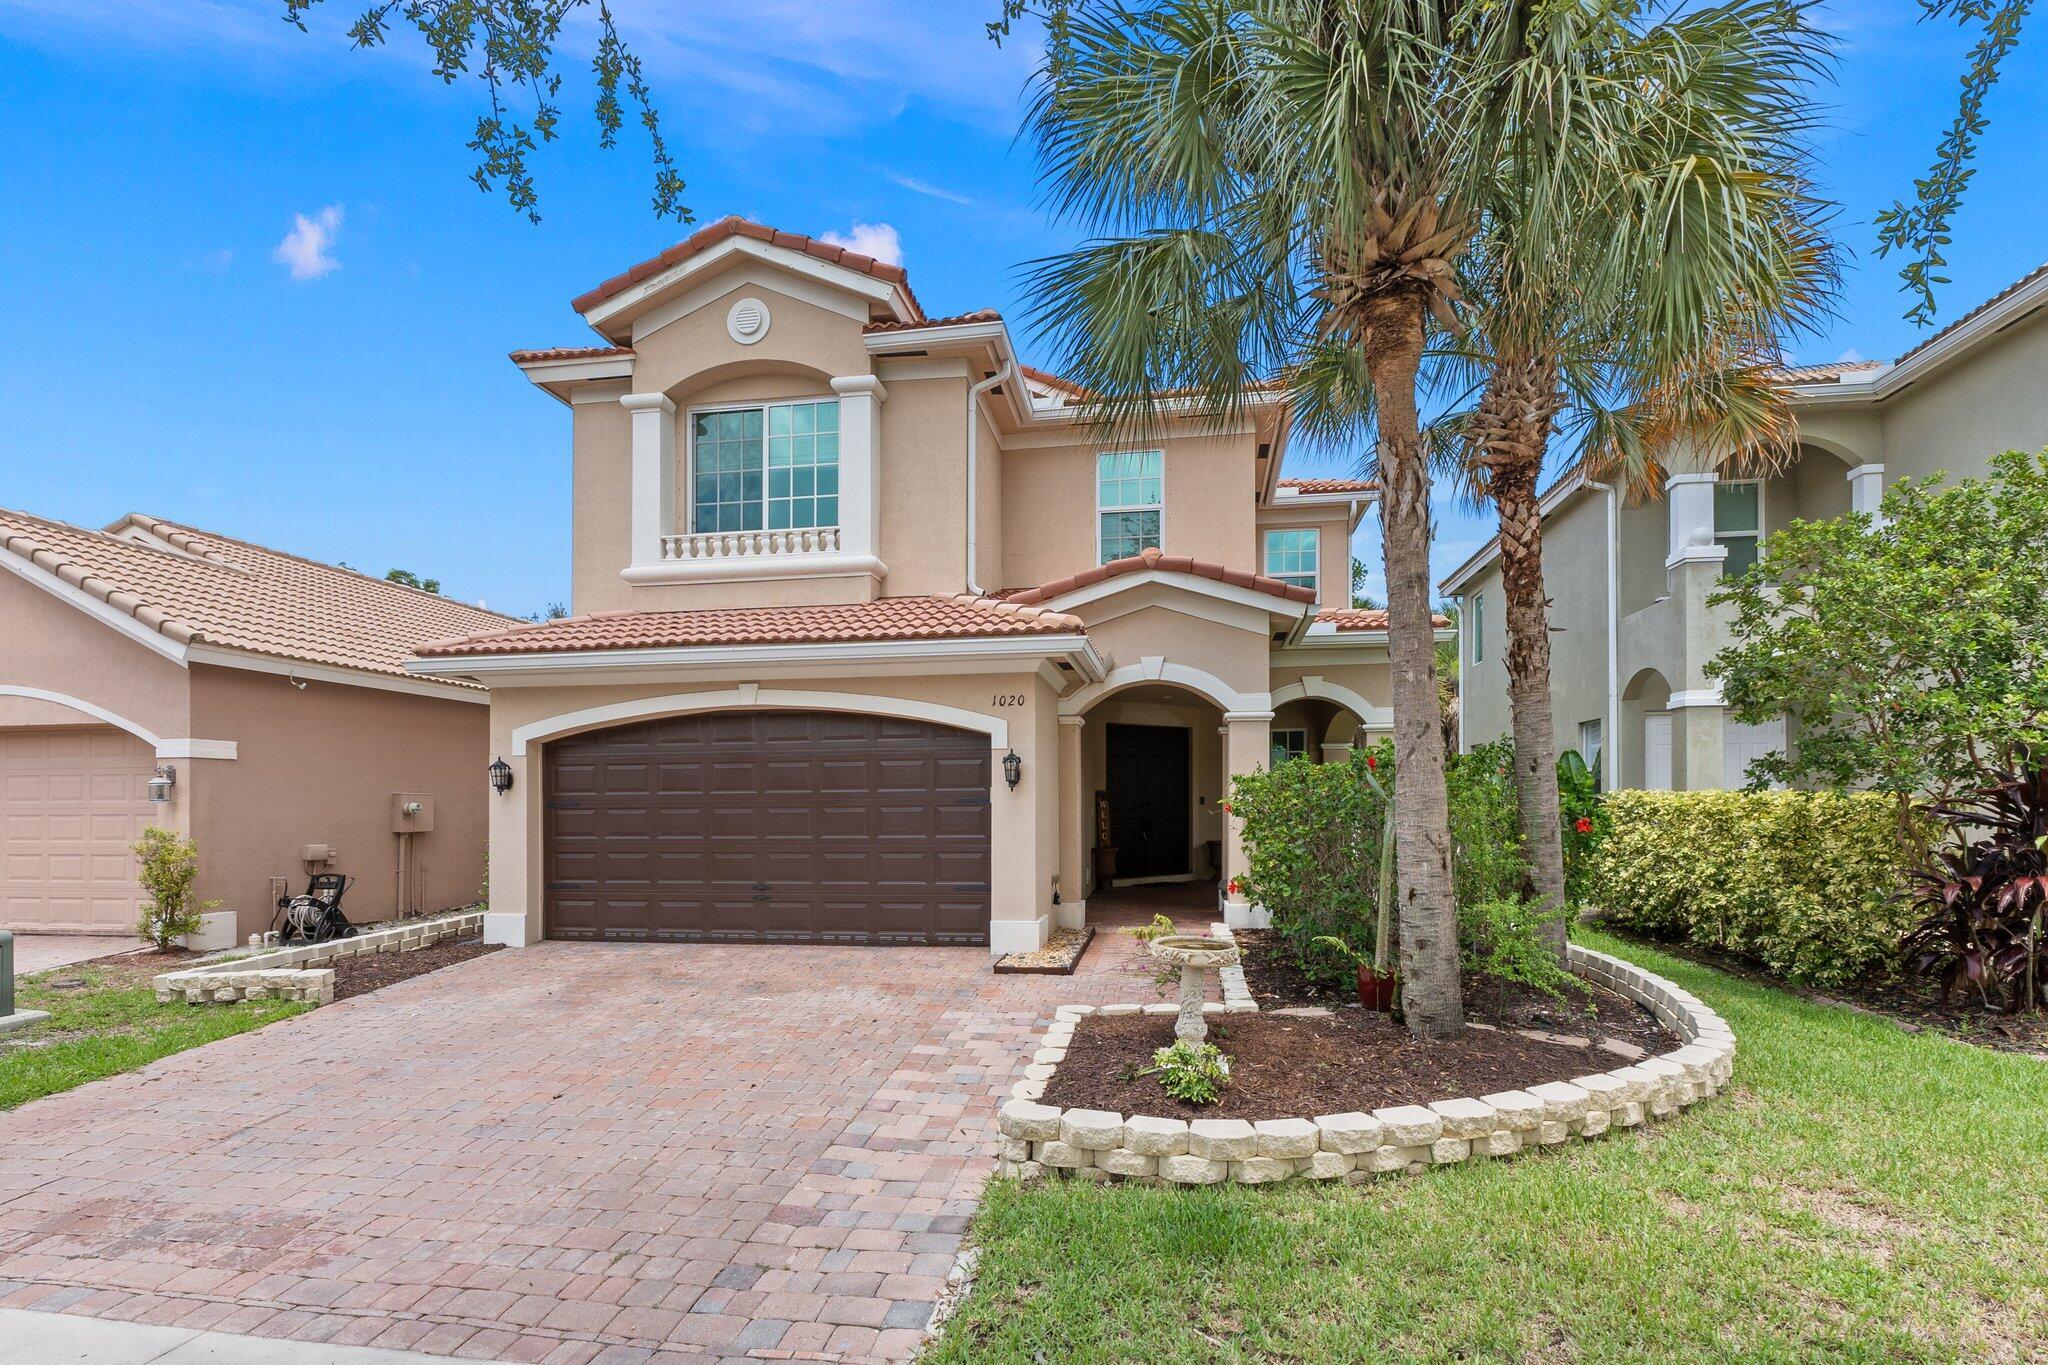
875	640
267	696
1631	629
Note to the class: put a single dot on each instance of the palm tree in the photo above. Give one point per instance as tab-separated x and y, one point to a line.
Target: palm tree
1283	187
1643	307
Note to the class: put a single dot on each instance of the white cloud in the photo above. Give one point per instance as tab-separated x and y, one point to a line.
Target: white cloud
307	250
878	240
930	191
1852	356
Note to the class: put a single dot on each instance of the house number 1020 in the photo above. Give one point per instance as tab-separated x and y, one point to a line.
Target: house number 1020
1007	699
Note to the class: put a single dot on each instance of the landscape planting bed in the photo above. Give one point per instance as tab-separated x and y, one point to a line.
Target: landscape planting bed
360	975
1152	1142
1291	1064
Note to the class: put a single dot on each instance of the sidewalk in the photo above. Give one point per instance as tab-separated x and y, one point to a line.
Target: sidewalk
31	1338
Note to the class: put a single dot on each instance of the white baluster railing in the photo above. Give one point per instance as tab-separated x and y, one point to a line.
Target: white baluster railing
720	545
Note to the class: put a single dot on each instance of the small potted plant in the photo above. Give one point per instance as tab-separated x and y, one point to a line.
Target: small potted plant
1377	987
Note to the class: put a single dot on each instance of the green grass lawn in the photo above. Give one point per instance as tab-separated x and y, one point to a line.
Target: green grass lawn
111	1024
1857	1193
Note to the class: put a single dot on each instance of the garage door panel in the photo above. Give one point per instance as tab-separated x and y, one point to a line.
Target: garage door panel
777	826
71	803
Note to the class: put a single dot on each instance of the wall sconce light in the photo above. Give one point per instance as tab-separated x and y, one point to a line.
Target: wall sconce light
161	782
501	776
1013	769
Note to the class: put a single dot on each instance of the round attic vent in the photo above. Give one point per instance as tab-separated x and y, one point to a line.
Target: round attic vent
747	323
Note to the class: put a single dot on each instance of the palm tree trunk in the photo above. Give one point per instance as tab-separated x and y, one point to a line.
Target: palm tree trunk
1430	995
1528	665
1516	416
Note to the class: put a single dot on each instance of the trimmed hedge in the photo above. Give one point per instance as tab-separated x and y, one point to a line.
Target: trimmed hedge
1805	882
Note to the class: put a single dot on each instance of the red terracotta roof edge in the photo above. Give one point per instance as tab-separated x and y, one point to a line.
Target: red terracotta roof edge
735	226
1154	560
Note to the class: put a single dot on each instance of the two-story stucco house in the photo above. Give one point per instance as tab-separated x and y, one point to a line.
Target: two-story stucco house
876	640
1632	632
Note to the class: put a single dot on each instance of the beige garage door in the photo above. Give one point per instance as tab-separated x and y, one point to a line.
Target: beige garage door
71	802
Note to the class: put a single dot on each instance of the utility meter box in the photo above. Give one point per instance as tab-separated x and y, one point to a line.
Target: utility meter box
411	812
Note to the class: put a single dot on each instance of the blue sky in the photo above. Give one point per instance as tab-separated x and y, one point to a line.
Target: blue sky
173	339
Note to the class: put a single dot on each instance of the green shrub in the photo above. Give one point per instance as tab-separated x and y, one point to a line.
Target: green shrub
1312	834
1486	831
1806	883
1507	940
168	864
1193	1073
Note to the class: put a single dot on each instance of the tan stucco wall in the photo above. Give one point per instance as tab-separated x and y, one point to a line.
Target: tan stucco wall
1992	401
53	646
1023	824
1239	658
1049	520
321	766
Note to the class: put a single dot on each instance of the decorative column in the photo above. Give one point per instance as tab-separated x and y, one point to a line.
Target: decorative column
860	465
1074	820
1247	746
654	473
1866	491
1691	501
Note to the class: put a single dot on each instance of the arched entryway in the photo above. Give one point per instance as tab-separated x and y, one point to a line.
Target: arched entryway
768	824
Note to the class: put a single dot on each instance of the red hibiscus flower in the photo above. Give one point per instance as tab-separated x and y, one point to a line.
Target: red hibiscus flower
1236	886
1584	826
1372	762
1226	808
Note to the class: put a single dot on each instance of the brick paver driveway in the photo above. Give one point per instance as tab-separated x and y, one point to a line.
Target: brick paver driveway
554	1154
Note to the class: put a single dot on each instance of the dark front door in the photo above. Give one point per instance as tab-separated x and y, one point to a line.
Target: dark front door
1146	767
789	826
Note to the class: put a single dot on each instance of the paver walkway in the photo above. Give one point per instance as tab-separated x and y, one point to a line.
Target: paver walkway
40	952
556	1153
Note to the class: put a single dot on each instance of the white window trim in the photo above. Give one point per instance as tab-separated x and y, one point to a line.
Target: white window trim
1159	507
688	516
1761	522
1315	536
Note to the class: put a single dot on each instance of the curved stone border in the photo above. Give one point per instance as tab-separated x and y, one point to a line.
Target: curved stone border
1095	1144
301	973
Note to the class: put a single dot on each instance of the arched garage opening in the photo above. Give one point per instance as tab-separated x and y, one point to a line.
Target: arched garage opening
768	824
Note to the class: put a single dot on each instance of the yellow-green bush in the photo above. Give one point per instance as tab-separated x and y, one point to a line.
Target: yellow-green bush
1805	882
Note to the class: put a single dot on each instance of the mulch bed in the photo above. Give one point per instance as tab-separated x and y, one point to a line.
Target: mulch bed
1060	955
1592	1016
1311	1050
360	975
1914	1004
1284	1066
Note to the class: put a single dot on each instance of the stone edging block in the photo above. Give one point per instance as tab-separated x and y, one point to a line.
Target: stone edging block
1095	1144
301	973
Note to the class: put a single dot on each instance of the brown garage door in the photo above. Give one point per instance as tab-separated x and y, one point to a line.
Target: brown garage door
789	826
71	802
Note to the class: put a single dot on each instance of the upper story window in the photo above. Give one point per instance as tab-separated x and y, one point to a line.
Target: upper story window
773	466
1738	524
1291	557
1478	626
1129	501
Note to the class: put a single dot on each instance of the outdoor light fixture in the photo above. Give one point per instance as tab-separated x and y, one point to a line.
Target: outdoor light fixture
501	776
1013	769
161	782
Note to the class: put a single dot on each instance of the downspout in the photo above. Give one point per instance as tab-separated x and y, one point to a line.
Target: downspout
1008	371
1612	778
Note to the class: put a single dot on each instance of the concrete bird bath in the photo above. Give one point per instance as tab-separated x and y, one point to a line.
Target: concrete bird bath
1197	956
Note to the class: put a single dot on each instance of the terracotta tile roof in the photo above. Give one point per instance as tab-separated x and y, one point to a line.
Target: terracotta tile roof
569	353
885	618
1330	485
1152	560
1367	618
1053	381
739	227
1824	374
214	590
957	320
